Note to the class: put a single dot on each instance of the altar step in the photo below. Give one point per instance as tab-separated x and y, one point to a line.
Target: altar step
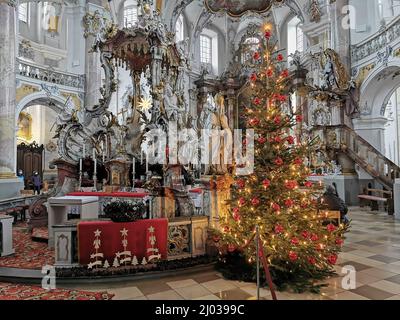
344	139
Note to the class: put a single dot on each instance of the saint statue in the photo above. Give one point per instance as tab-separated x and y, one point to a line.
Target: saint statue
221	139
171	107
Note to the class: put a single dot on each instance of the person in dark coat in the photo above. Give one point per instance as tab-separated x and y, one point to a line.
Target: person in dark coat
37	182
332	202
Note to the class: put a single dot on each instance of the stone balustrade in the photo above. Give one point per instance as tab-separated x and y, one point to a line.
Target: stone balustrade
33	71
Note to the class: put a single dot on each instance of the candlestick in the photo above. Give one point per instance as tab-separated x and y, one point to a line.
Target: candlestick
133	172
147	164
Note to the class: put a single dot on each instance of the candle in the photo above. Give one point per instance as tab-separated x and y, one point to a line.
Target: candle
80	164
147	164
133	171
95	160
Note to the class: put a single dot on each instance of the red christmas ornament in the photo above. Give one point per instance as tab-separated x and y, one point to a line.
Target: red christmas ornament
299	118
279	57
279	161
330	227
278	229
312	260
332	259
236	210
308	184
255	201
285	73
253	77
257	101
276	207
290	140
266	183
267	34
289	203
240	183
282	98
314	237
277	120
261	140
278	139
295	241
339	241
269	73
293	256
298	161
291	184
305	234
256	55
254	122
242	202
231	248
236	217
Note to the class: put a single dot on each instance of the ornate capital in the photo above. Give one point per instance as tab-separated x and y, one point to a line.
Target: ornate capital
11	3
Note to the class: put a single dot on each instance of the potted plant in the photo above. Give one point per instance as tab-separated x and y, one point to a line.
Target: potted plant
124	211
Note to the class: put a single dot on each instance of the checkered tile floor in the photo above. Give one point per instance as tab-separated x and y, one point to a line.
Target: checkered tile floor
372	248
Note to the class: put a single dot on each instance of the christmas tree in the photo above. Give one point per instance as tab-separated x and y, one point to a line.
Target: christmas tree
277	197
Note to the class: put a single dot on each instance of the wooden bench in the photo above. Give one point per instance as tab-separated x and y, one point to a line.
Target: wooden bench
384	196
330	215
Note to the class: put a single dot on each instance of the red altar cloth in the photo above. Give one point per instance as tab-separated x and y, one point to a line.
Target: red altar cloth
111	239
196	190
109	194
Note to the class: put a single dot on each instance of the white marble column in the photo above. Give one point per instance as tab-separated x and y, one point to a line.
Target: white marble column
92	64
7	89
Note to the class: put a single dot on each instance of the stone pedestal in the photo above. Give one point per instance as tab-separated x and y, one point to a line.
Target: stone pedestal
65	244
6	247
58	211
199	235
216	192
396	197
10	188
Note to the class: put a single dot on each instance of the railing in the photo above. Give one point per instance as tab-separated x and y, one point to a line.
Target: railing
33	71
377	41
343	138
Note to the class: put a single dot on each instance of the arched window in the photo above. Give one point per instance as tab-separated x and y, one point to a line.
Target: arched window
130	13
249	46
205	49
23	12
295	36
179	29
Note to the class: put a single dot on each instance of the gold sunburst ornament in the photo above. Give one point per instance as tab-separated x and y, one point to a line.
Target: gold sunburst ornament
145	104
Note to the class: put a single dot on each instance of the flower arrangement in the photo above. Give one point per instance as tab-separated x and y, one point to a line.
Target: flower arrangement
124	211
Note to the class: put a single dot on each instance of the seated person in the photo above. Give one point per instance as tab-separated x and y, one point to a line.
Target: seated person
331	201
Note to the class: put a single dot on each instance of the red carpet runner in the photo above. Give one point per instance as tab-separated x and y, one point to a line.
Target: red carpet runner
11	291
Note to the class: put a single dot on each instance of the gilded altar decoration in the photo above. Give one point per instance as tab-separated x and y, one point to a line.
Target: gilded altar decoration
237	8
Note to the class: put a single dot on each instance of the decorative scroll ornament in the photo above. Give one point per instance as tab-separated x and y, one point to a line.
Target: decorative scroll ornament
237	8
315	11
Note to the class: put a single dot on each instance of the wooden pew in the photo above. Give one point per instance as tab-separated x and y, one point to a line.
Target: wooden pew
373	197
